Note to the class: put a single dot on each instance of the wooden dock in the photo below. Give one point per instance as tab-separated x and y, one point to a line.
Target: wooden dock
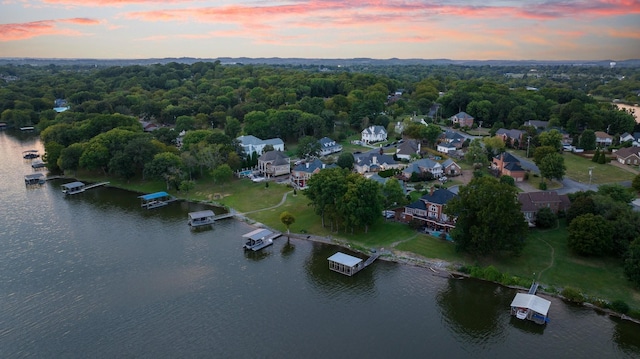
371	260
225	215
534	288
95	185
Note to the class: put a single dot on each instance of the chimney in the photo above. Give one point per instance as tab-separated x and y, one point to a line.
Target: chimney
307	164
431	190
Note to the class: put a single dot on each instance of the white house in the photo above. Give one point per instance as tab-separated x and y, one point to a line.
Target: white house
328	146
374	162
374	134
445	147
408	149
634	139
603	139
423	165
252	144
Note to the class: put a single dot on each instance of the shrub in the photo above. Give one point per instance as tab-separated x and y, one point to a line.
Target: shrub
542	186
573	295
620	306
545	218
492	274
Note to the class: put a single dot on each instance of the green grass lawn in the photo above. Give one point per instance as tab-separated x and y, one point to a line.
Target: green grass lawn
431	247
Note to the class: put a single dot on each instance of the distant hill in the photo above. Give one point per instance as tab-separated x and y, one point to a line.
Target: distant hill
313	62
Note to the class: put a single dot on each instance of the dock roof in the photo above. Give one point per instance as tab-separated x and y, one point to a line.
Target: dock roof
73	185
533	302
258	233
201	214
150	196
345	259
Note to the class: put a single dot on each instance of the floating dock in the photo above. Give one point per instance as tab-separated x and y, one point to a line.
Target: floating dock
79	187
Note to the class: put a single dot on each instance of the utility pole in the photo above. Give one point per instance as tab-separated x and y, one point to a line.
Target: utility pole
590	176
528	141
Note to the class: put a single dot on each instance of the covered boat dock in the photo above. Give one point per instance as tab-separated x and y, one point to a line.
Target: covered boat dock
33	179
345	264
531	307
201	218
260	238
73	187
155	200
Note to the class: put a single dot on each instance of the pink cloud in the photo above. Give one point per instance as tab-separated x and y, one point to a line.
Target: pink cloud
23	31
113	3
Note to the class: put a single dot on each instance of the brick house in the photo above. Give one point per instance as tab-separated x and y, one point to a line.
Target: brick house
508	165
301	173
511	137
532	202
628	156
429	209
463	119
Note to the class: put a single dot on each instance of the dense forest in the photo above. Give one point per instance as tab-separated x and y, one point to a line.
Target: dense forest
101	129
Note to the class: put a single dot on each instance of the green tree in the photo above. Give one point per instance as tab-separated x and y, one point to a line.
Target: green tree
222	174
287	219
551	138
393	193
494	146
545	218
552	166
588	140
632	262
70	157
635	184
581	205
541	152
308	147
590	235
616	192
166	166
488	218
346	160
476	154
52	151
596	156
232	127
186	186
507	180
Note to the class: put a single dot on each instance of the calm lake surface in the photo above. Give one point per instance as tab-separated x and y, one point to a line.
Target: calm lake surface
94	275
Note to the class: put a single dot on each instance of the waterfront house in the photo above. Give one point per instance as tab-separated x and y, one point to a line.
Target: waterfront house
430	210
252	144
374	134
302	172
508	165
274	163
532	202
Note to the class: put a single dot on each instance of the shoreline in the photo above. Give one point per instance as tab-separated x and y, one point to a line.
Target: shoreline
442	268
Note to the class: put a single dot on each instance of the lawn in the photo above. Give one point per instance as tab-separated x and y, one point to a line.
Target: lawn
578	170
431	247
598	277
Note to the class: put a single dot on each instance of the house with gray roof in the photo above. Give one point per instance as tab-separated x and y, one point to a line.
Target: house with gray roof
374	162
628	156
329	146
508	165
274	163
512	138
451	168
422	166
302	172
532	202
407	149
252	144
374	134
429	209
634	138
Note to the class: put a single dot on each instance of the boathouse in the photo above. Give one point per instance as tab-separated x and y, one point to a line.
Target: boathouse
73	187
259	238
201	218
531	307
32	179
155	200
345	264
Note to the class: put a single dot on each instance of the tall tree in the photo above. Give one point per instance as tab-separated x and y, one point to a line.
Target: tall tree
632	262
551	138
476	154
393	193
287	219
308	147
552	166
346	160
488	218
588	140
590	235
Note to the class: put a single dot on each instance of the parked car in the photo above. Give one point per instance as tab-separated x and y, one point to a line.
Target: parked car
388	214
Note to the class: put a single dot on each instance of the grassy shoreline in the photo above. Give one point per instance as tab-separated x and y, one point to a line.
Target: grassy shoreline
545	257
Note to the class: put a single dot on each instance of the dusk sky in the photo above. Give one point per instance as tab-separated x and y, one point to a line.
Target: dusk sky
458	29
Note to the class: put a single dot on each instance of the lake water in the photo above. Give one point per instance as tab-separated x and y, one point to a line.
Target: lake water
94	275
